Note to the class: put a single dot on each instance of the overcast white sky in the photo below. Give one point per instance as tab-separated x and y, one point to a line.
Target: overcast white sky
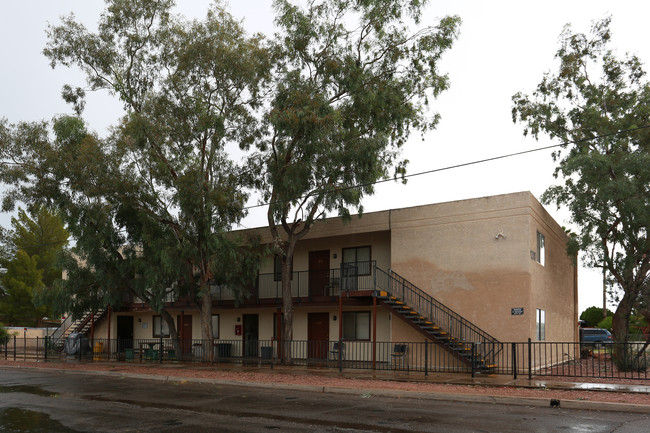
504	47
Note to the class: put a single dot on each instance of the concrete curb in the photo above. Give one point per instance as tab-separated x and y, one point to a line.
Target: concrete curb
370	392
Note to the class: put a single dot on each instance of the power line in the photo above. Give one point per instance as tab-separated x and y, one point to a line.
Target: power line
465	164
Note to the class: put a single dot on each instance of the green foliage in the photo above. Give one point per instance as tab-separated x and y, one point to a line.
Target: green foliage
350	81
593	315
20	282
4	334
31	269
593	96
605	323
42	236
149	205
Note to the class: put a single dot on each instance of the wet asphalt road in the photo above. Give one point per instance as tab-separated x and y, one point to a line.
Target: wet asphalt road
50	401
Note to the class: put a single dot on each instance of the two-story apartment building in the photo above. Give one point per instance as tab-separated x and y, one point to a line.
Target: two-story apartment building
497	263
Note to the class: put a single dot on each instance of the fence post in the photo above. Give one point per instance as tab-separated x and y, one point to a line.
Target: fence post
14	347
341	353
160	352
514	360
46	345
473	357
426	358
272	353
530	360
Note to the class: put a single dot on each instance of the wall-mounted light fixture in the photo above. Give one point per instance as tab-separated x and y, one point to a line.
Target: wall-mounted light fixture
239	319
334	255
334	318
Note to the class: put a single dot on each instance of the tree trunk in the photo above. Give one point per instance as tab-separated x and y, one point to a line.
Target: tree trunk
206	323
620	328
173	334
287	305
621	319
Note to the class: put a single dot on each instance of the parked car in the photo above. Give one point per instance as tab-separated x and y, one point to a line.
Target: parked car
595	335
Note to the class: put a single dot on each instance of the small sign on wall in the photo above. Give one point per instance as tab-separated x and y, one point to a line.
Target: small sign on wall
517	311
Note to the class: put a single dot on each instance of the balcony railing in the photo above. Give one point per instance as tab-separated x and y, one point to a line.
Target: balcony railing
313	283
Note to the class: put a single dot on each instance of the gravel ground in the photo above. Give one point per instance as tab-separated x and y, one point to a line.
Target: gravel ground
414	382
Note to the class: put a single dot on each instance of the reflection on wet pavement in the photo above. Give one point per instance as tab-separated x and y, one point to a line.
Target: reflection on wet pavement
27	390
14	420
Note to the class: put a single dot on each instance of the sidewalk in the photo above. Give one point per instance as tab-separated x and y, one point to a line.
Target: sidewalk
481	389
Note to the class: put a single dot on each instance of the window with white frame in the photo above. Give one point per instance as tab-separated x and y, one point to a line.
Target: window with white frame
160	327
540	325
541	249
356	325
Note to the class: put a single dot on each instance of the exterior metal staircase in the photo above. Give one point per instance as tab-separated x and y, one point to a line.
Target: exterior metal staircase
437	322
81	325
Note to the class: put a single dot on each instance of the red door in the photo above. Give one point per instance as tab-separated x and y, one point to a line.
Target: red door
185	333
319	272
318	335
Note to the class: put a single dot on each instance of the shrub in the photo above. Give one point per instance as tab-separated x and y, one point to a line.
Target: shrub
4	335
593	315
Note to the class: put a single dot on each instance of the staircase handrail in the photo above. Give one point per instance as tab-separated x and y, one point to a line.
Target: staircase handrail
76	325
435	311
59	332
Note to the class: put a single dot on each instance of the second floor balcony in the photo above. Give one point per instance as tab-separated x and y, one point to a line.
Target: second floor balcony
309	284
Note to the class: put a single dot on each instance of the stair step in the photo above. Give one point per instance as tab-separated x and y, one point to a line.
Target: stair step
407	311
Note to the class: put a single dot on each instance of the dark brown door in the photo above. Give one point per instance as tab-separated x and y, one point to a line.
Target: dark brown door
185	333
319	272
125	332
318	335
251	334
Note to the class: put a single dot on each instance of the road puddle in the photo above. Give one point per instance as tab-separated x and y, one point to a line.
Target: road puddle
14	420
35	390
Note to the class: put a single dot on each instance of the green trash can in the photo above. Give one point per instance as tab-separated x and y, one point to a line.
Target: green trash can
128	354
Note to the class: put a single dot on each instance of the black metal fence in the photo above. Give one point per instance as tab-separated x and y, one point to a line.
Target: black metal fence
524	359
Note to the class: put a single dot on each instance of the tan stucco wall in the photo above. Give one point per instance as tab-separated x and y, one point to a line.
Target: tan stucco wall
368	222
27	337
379	243
474	257
554	286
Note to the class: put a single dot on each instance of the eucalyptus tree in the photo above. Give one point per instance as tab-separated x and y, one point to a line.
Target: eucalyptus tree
73	172
351	79
600	104
161	186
